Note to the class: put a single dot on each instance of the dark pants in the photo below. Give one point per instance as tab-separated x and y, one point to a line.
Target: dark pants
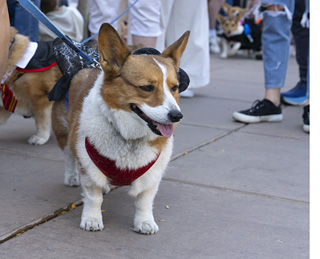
23	21
301	38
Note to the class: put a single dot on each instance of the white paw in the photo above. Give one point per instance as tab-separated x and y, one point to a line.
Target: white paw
147	227
223	55
91	224
72	180
36	140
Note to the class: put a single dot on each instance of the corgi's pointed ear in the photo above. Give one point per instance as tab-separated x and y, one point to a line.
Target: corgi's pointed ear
220	18
113	51
176	49
226	8
244	11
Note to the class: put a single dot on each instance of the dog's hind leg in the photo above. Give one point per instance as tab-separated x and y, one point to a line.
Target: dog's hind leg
42	116
235	47
224	51
144	221
91	218
71	172
60	128
4	115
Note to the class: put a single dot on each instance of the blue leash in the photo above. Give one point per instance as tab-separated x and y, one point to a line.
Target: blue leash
32	9
113	21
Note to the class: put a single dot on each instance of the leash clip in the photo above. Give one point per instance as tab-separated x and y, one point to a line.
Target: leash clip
95	64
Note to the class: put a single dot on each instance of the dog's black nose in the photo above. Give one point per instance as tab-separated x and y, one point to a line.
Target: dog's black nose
175	116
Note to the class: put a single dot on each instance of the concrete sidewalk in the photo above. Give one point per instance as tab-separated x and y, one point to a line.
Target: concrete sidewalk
231	190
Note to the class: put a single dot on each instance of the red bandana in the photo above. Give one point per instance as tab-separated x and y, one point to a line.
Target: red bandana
116	176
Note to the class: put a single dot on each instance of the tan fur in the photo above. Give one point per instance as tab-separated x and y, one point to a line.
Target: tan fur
18	48
83	83
233	10
60	129
31	90
234	14
110	108
135	71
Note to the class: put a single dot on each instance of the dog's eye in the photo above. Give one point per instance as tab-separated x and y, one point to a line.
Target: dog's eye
174	88
147	88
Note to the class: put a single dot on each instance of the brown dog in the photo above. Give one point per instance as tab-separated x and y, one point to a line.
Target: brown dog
30	88
231	26
118	128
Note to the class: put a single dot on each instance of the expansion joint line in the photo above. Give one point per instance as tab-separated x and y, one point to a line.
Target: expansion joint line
206	143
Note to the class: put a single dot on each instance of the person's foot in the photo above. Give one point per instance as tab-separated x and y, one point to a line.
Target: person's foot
214	44
298	91
306	118
187	93
260	111
294	100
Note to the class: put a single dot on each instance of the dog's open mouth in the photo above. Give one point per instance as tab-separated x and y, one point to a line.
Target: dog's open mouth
165	130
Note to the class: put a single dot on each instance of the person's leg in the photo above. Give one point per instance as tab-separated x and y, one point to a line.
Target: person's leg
5	37
25	23
276	42
306	116
192	15
275	49
306	108
84	9
214	7
144	22
297	95
301	38
102	11
165	11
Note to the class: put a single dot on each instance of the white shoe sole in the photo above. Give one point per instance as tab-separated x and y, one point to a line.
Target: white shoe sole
256	119
187	94
306	128
295	101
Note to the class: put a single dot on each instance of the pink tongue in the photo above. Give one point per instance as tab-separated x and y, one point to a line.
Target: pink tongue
165	129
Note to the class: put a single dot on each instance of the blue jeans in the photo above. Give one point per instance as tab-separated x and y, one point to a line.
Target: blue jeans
276	43
25	23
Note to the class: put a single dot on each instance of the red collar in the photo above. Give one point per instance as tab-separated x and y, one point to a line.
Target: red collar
116	176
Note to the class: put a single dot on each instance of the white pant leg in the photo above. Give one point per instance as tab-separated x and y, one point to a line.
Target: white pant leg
166	7
102	11
145	18
189	15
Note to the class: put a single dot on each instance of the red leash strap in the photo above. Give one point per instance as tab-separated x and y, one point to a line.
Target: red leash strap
116	176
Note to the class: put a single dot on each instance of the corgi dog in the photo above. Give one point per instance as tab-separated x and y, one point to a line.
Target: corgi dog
231	26
118	127
24	90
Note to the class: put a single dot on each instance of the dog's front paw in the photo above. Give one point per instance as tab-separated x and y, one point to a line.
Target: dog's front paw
36	140
223	55
72	180
147	227
91	224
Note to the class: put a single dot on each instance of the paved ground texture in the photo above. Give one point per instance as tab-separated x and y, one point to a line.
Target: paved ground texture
231	190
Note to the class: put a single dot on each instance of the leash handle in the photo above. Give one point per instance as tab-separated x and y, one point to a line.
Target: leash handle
32	9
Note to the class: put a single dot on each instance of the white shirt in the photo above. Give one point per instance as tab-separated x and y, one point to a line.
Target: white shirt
68	20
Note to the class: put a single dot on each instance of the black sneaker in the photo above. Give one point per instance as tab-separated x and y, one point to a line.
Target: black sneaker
306	118
260	111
